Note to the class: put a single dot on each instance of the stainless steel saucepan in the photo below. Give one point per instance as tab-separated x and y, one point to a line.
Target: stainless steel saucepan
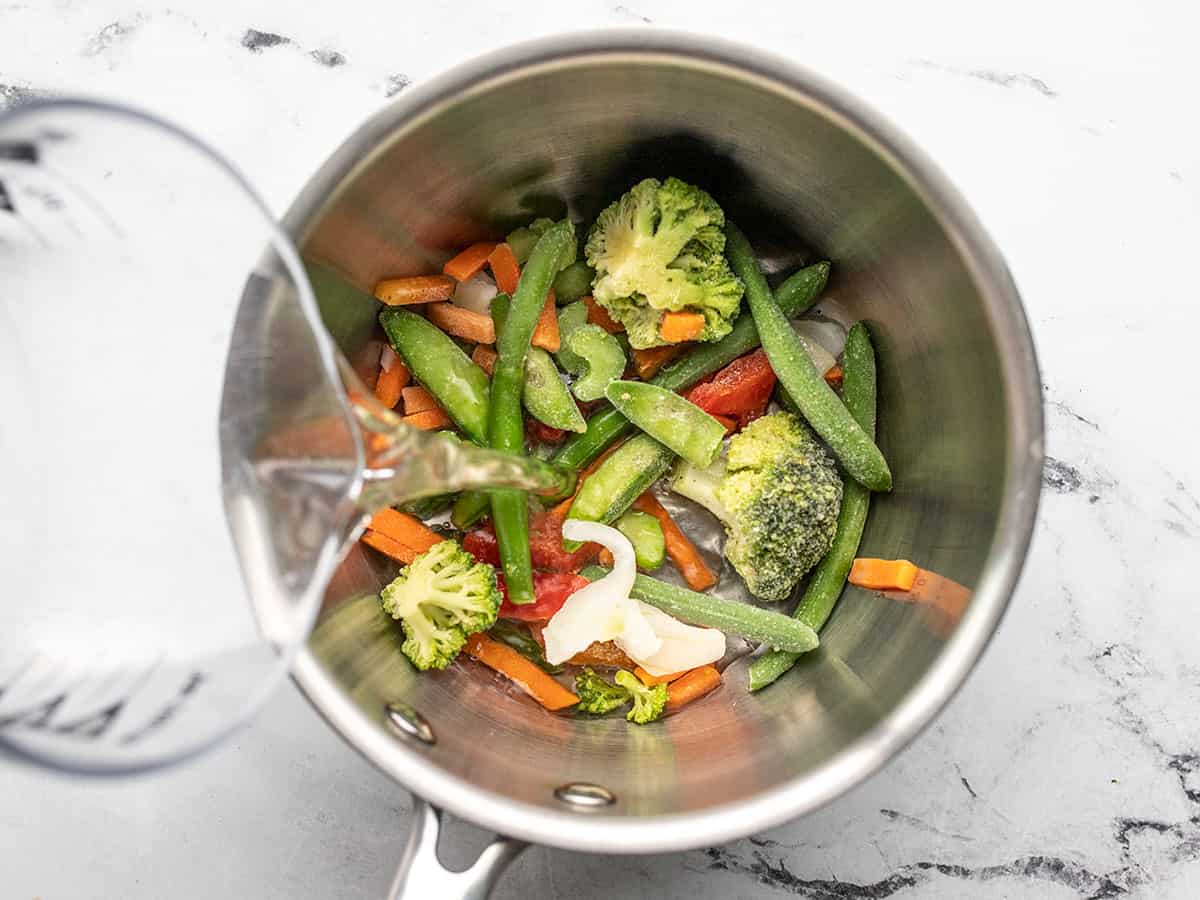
568	124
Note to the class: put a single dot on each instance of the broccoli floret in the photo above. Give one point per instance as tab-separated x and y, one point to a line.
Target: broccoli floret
648	702
661	247
442	597
781	494
597	696
701	485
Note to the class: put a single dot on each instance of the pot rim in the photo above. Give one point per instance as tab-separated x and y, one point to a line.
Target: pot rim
1024	451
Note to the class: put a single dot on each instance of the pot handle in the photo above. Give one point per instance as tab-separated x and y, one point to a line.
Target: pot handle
421	874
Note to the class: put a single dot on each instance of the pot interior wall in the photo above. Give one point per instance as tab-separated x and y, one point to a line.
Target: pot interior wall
569	138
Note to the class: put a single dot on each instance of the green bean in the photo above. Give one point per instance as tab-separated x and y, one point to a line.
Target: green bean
510	510
669	419
469	508
822	409
795	295
829	578
620	479
544	395
460	386
751	622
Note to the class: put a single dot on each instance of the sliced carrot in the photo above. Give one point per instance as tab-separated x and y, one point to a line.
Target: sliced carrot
484	357
463	323
651	680
683	552
404	529
729	423
469	261
390	385
882	574
505	268
598	315
648	362
416	289
545	333
429	420
692	686
388	547
606	558
680	326
525	674
417	399
834	375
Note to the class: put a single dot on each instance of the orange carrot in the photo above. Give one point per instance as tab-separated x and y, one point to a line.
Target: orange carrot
417	399
834	375
882	574
390	385
651	680
680	326
545	333
484	357
525	674
415	289
606	558
692	686
388	547
598	315
464	323
683	552
505	268
429	420
647	362
469	261
404	529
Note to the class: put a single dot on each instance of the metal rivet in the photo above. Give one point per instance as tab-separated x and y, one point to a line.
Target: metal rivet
583	795
409	723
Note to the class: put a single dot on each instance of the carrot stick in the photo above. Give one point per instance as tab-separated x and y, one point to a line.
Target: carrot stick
680	326
388	547
525	674
389	386
416	289
464	323
834	375
545	333
683	552
505	268
598	315
692	686
651	680
469	261
429	420
883	574
647	362
606	558
417	399
404	529
484	357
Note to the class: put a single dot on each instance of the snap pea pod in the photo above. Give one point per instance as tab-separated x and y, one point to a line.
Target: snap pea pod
751	622
670	419
795	295
460	386
646	535
573	282
621	479
570	318
544	395
510	510
603	361
825	586
822	409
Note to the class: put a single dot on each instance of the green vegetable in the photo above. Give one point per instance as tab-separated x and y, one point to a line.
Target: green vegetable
428	507
523	240
669	419
821	407
597	696
510	511
795	295
648	702
825	586
469	508
646	535
543	394
570	318
603	361
700	485
573	282
460	386
522	641
751	622
441	598
660	247
620	479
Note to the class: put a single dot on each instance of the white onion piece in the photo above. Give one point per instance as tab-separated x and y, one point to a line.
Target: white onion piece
475	293
683	646
387	358
820	357
829	335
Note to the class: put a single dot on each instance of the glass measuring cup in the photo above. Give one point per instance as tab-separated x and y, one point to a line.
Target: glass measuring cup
177	435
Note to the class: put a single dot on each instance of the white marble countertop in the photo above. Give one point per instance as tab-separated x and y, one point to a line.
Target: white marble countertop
1069	766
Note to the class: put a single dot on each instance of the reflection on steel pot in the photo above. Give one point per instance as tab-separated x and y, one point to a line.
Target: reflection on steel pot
566	125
